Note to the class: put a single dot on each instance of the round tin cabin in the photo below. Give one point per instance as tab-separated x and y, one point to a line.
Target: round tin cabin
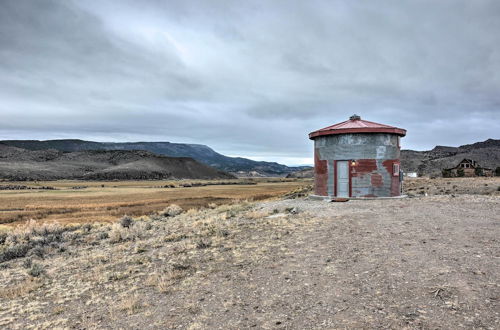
357	158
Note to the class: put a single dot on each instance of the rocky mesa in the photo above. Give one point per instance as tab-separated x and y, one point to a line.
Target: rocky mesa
22	164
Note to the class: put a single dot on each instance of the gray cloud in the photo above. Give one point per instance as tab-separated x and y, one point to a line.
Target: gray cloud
250	78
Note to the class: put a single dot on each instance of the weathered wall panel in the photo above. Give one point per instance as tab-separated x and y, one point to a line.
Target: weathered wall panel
374	156
320	175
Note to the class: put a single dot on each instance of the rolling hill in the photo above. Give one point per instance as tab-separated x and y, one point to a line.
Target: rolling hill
21	164
199	152
431	162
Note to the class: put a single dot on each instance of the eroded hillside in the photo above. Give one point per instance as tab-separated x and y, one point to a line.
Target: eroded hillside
23	164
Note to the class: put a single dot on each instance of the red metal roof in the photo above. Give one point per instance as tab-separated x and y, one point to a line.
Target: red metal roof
356	125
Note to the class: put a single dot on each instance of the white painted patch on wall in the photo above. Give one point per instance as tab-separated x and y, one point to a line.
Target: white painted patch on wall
381	152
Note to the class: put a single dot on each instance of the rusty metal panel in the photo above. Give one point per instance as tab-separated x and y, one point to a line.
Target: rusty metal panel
320	175
377	180
364	166
371	173
371	179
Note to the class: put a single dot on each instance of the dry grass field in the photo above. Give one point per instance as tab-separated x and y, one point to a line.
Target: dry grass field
425	262
97	201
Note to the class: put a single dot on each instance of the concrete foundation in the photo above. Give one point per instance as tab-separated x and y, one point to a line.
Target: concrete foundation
329	198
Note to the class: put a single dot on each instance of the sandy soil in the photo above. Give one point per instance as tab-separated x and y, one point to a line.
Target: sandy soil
418	263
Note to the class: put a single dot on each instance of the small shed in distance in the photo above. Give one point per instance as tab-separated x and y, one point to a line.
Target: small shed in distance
357	158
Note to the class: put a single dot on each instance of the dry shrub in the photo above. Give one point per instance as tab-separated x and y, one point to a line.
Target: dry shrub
202	243
130	304
163	283
32	238
12	252
140	248
224	208
222	232
171	211
207	221
3	237
139	230
118	233
21	289
164	280
31	230
256	215
126	221
36	270
175	237
299	192
191	212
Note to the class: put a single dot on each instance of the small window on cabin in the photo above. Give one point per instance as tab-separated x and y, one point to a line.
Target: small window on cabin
395	169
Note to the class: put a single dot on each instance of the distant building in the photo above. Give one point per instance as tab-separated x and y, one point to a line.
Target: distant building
411	174
357	158
467	168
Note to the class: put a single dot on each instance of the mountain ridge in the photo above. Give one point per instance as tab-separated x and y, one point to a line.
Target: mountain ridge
199	152
431	162
428	162
21	164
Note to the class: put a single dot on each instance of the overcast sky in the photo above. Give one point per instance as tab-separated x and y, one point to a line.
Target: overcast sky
249	78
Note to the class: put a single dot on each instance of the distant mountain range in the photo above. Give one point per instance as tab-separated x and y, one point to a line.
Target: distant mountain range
431	162
20	164
202	153
302	174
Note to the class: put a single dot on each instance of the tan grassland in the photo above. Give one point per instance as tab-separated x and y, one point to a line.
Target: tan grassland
96	201
430	261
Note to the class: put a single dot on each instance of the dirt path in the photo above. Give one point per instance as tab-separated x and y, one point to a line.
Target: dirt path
430	262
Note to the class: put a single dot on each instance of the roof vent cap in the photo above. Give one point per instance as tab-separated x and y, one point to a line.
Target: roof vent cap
355	117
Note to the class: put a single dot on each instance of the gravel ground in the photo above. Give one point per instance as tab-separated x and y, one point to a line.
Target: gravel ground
430	262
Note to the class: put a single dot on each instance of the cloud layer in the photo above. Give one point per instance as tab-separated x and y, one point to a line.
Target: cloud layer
248	78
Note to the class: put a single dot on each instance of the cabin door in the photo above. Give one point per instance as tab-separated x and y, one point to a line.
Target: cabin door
342	178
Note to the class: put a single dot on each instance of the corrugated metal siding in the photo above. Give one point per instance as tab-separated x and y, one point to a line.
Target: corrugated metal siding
372	174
